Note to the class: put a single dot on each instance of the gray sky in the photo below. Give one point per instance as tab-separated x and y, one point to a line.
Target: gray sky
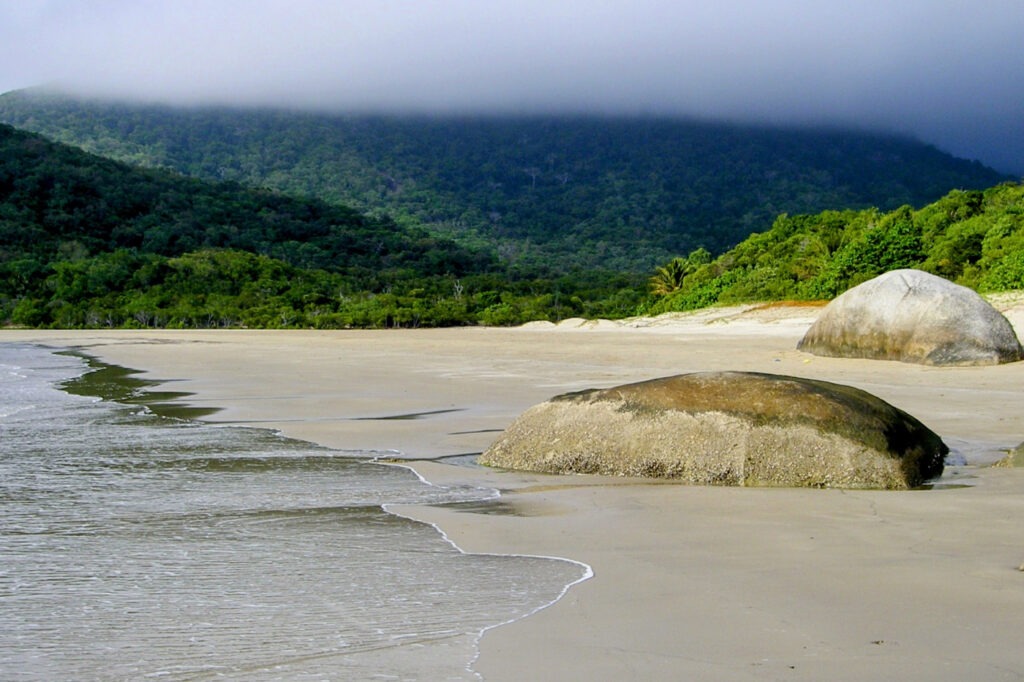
950	72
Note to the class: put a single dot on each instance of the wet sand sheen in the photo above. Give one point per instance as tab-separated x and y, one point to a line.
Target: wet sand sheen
690	582
138	546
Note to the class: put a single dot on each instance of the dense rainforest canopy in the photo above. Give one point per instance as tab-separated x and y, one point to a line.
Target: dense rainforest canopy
548	195
974	238
87	241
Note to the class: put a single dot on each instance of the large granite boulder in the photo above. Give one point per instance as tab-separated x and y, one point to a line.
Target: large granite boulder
725	428
912	316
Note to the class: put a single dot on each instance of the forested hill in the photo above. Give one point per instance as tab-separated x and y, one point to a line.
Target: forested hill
60	203
545	193
86	241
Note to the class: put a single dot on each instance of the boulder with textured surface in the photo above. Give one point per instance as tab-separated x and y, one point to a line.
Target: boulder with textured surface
913	316
725	428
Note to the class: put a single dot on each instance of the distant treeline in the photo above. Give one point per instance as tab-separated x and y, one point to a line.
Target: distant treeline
214	288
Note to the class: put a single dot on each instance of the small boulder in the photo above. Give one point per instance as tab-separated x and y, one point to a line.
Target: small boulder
913	316
1014	457
725	428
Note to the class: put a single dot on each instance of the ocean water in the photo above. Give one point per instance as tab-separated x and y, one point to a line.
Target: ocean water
135	546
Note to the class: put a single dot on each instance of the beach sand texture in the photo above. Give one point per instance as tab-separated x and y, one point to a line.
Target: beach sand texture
689	582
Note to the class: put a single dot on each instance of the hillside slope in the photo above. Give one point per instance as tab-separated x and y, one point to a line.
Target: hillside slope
548	194
58	202
86	241
974	238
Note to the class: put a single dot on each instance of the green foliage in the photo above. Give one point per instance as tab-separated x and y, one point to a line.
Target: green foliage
548	194
1007	273
895	242
228	288
973	238
88	242
57	202
669	278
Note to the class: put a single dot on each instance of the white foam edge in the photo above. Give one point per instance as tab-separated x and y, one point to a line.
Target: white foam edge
588	571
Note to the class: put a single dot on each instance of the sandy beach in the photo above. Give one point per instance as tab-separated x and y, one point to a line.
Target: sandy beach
690	583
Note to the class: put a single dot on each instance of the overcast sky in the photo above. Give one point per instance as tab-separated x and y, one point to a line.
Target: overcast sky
950	72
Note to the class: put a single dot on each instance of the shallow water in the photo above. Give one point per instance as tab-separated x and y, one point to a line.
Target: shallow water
136	545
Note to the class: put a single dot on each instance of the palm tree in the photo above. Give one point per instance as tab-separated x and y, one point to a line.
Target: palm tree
668	278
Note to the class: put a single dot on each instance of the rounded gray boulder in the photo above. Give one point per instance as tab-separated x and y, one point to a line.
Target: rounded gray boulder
913	316
725	428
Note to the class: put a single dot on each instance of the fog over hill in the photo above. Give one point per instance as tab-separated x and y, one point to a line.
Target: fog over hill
948	72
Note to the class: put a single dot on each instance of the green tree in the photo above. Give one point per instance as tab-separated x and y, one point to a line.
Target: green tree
669	278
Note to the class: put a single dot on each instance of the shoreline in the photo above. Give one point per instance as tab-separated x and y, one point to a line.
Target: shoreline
689	582
414	513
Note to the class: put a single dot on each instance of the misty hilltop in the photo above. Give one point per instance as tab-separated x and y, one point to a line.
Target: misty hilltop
548	193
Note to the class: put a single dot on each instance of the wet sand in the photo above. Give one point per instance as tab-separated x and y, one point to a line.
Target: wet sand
689	582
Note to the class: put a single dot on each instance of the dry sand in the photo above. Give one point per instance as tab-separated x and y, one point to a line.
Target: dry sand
690	583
